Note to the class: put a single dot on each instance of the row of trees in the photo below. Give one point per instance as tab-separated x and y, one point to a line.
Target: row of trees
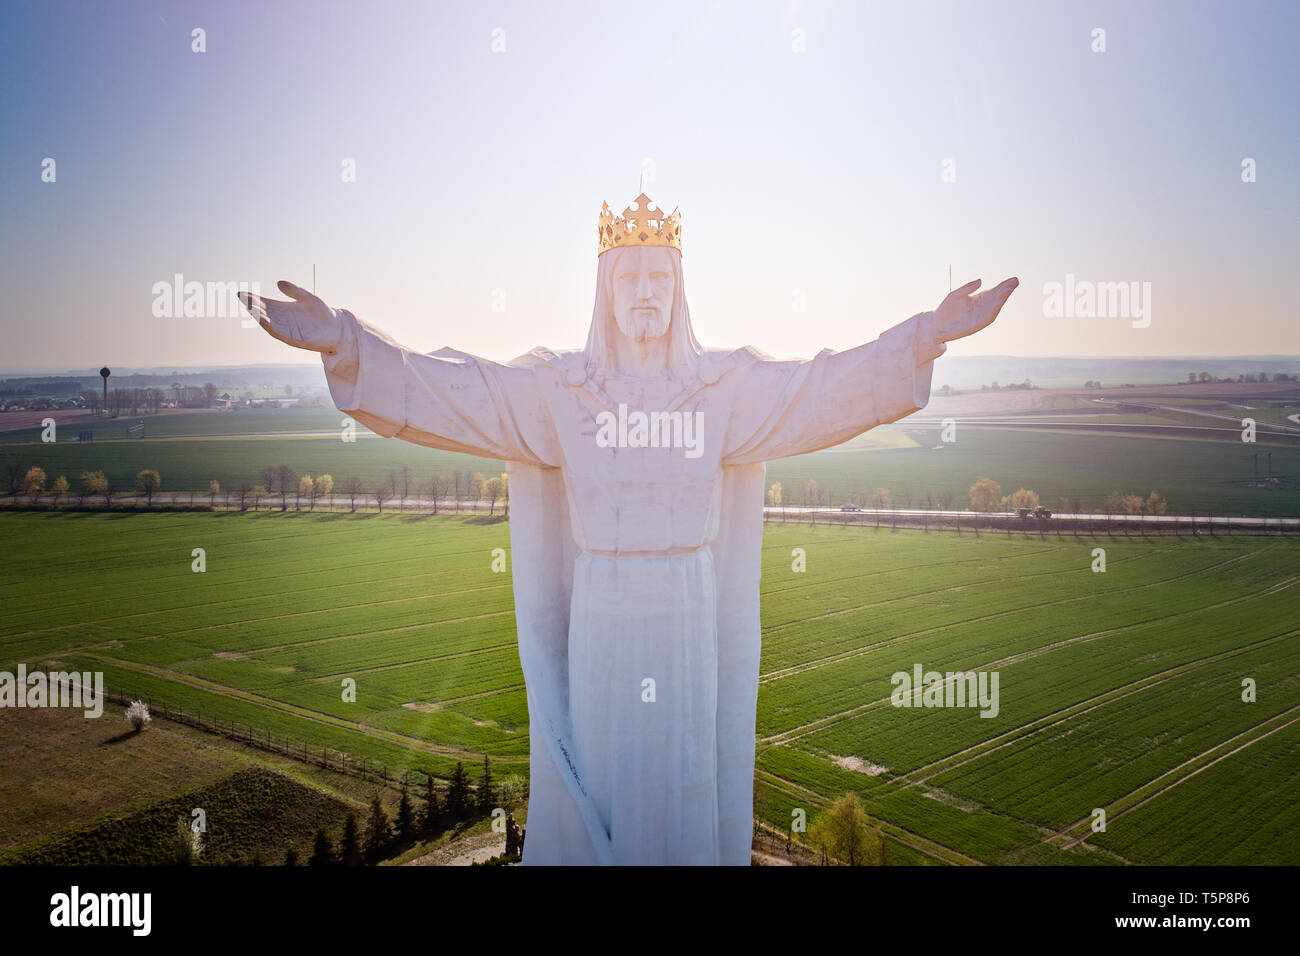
1205	378
382	835
812	495
283	482
385	836
149	400
399	484
93	484
276	481
985	496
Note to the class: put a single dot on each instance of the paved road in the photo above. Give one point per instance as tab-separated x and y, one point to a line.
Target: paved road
425	506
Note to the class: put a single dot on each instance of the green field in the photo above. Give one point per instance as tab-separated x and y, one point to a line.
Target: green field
1119	691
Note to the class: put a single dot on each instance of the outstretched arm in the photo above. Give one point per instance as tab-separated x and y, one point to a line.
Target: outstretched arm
446	399
793	408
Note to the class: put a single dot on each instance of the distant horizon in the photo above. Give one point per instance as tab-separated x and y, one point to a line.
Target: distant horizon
165	366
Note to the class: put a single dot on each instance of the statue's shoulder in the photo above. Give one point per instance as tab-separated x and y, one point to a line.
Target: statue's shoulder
565	363
715	363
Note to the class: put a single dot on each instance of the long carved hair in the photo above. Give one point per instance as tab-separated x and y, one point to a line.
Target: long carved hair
684	351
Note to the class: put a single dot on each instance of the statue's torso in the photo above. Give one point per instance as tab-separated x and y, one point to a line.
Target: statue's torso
626	499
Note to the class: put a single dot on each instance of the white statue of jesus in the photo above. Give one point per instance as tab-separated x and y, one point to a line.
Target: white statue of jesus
636	488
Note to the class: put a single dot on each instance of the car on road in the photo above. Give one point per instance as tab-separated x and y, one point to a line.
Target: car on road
1039	512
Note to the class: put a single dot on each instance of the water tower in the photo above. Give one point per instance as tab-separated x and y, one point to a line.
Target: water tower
104	373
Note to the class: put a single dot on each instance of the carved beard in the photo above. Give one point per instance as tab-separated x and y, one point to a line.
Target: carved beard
643	326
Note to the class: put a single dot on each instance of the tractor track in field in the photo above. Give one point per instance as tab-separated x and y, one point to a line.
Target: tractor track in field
87	595
278	648
261	597
1134	799
803	730
817	582
274	617
311	535
323	678
1079	831
783	672
776	628
924	774
772	676
334	639
477	695
294	710
407	556
915	841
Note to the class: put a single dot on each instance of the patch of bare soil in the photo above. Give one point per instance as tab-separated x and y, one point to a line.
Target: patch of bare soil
858	765
952	800
475	848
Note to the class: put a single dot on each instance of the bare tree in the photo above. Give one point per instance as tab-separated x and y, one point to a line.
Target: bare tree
353	487
285	481
437	489
391	485
13	478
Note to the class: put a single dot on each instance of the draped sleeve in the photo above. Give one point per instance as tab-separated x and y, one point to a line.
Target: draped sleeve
796	407
445	399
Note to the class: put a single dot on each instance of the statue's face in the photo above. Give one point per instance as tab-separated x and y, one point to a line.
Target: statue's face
644	285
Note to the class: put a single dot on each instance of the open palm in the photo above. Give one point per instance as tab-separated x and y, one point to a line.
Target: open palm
963	313
304	322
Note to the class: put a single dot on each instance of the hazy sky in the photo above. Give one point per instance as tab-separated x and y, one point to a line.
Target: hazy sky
814	175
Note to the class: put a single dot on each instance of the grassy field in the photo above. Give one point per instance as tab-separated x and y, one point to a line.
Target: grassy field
1119	690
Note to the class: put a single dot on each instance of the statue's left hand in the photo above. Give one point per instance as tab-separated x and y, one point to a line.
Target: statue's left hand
961	313
305	321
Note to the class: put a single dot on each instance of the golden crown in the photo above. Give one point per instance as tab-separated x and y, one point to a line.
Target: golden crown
641	224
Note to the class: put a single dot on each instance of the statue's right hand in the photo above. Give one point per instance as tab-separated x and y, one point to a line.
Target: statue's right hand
305	322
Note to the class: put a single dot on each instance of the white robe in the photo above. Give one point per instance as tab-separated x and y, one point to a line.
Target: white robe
635	564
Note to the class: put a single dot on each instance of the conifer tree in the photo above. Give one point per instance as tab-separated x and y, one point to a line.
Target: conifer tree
405	816
350	845
432	811
322	853
458	793
379	831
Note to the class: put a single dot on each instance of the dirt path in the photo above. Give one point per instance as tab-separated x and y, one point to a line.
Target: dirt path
476	848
